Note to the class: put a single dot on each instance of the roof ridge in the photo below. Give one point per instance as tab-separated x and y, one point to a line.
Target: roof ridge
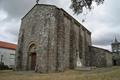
7	45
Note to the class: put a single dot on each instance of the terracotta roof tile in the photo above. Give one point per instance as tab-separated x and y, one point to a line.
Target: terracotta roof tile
7	45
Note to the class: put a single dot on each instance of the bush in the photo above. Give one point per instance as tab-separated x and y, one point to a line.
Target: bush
3	66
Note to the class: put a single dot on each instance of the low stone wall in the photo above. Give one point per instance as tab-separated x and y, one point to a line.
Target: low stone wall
100	57
116	59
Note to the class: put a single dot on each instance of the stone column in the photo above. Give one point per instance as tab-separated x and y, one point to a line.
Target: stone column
60	42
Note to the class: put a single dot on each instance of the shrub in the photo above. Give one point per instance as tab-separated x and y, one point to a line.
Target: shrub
3	66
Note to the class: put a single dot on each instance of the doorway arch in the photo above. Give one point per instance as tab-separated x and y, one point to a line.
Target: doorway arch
32	56
33	61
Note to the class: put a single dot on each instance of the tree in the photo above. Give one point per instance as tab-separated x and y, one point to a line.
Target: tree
78	5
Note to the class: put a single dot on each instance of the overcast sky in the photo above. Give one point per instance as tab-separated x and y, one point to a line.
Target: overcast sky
103	21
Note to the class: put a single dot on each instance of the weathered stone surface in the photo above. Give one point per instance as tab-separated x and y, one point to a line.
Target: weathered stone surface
100	57
58	41
116	52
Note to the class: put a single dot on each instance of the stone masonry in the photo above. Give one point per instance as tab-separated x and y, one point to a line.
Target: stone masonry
100	57
116	52
51	40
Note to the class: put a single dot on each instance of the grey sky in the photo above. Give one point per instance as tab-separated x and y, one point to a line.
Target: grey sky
103	21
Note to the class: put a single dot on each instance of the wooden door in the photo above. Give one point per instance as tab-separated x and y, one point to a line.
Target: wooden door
33	61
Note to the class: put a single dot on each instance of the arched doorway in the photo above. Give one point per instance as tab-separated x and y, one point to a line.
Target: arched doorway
33	61
32	57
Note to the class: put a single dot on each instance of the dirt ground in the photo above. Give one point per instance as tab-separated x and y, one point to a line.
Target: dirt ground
97	74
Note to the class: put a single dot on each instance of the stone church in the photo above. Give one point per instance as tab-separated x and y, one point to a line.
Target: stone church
51	40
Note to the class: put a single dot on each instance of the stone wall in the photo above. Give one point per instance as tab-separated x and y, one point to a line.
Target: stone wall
100	57
8	57
38	28
116	59
55	36
116	53
75	39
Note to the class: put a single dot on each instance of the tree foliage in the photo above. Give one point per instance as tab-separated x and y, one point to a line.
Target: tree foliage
78	5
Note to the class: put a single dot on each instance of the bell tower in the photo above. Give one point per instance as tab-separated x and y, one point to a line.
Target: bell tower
116	46
116	51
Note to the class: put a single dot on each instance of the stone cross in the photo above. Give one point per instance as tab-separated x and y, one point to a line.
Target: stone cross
37	1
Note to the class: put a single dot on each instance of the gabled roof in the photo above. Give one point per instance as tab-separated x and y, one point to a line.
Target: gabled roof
35	6
65	13
7	45
100	48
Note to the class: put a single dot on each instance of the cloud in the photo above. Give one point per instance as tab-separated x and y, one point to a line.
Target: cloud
11	13
9	31
3	15
102	21
16	8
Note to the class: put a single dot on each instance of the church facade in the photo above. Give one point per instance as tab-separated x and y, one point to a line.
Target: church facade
52	40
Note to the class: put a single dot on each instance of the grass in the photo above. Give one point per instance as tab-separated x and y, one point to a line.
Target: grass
97	74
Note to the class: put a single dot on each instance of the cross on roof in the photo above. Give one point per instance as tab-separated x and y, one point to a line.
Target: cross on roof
37	1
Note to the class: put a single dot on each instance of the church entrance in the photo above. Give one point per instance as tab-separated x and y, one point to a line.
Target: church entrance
32	57
33	61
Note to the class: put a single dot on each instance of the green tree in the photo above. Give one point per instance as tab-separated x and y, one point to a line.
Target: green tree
78	5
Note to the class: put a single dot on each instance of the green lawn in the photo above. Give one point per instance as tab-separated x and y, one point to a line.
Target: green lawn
98	74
